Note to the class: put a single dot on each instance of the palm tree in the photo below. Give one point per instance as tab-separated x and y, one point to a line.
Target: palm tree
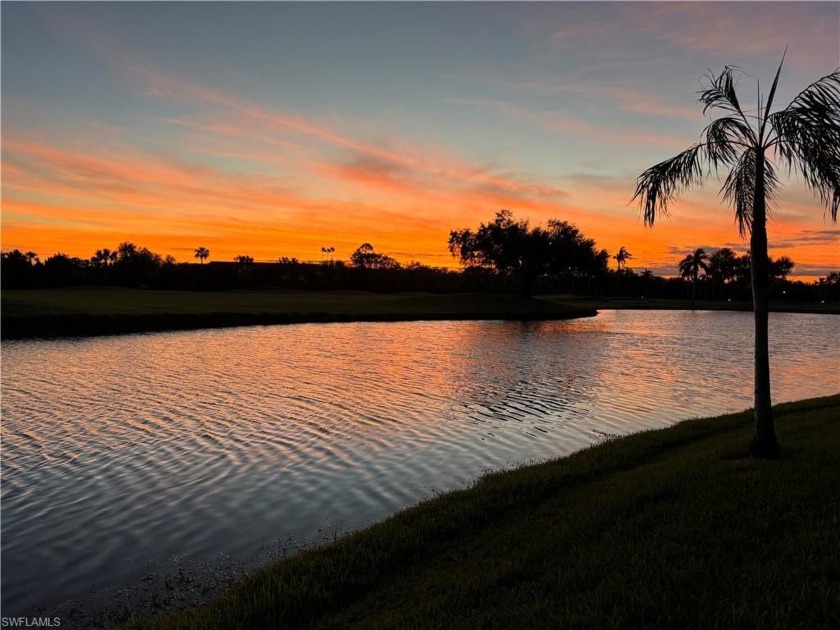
647	276
804	136
621	259
690	267
201	253
104	257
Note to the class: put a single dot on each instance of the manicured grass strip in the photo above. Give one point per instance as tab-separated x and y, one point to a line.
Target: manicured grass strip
626	303
102	311
671	528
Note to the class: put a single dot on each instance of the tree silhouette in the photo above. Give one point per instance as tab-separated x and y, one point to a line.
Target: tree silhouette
18	270
135	266
366	258
828	287
514	249
722	265
201	253
104	257
621	259
804	136
781	267
647	276
690	267
126	251
571	254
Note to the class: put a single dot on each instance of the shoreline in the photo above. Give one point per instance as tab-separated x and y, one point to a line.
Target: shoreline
97	311
106	311
56	326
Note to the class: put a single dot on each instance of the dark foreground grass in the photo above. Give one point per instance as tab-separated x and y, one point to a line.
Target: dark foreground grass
676	528
87	311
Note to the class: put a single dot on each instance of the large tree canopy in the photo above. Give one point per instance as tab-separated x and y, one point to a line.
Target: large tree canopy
514	248
366	258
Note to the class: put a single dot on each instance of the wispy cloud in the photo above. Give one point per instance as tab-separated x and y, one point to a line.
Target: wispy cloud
561	121
625	33
714	29
629	98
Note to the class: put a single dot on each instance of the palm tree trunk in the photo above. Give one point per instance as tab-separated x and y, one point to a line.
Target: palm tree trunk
764	444
693	289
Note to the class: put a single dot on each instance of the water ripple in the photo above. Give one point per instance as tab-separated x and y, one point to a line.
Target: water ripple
122	451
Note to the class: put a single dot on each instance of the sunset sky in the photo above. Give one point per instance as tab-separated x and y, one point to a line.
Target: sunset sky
275	129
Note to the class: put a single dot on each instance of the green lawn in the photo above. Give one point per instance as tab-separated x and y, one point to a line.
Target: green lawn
113	300
783	306
676	528
106	310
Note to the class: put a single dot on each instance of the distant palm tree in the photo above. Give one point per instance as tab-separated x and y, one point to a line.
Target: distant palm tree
621	259
647	275
804	136
690	267
104	257
201	253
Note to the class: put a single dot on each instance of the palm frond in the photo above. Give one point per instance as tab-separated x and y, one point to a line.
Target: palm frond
739	188
691	265
807	138
722	137
763	117
661	183
719	93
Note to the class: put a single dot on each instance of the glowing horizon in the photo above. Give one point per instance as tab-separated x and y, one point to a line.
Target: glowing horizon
337	124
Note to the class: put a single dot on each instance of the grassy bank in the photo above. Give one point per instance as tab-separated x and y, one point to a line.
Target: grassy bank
675	528
107	310
777	306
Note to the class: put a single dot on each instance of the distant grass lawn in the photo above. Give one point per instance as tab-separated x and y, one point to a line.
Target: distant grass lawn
108	310
115	300
675	528
111	310
782	306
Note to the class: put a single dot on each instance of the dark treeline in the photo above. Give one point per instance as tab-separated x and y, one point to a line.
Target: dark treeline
504	255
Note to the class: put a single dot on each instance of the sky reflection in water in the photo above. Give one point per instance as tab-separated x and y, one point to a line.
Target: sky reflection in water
119	451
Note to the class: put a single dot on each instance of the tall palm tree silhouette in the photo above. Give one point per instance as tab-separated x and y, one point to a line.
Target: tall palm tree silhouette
621	259
804	136
690	267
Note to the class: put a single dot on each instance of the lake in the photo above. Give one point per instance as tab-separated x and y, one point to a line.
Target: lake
121	452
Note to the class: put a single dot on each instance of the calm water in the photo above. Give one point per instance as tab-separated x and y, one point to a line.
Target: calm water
122	451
